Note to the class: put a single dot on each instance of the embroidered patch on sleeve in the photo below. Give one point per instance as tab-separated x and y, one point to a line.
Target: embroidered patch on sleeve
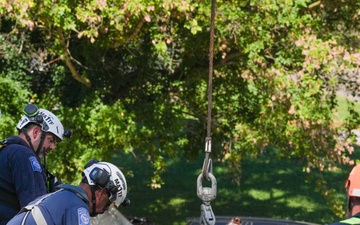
35	164
83	216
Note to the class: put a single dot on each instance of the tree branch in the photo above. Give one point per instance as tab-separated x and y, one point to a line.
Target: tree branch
312	5
74	73
136	31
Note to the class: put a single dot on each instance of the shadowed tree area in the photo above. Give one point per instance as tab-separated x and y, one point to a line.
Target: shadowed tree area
268	188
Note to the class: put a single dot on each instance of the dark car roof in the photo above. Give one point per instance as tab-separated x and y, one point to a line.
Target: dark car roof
223	220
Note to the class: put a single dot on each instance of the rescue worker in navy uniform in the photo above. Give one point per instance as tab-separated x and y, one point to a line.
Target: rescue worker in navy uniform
352	186
102	184
23	177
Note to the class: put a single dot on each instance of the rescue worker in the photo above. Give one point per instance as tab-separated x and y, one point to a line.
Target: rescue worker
23	177
352	186
102	184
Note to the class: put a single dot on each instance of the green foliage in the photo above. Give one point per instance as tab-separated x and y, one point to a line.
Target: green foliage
98	131
13	98
14	92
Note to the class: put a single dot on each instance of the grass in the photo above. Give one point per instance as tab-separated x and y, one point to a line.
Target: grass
269	188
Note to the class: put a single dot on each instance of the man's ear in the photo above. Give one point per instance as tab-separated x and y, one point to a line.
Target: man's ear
99	194
36	132
104	191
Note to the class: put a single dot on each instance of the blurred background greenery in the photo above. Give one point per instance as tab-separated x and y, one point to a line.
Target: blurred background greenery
269	187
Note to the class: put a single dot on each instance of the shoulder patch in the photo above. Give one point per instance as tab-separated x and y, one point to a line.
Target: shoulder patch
35	164
83	216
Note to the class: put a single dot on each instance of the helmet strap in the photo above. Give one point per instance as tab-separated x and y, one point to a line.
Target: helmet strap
24	131
349	202
46	171
93	199
42	138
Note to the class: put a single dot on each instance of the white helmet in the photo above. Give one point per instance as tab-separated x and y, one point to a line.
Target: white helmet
108	176
44	118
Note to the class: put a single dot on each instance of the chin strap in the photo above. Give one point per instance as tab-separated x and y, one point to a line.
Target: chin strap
42	139
350	204
24	131
93	200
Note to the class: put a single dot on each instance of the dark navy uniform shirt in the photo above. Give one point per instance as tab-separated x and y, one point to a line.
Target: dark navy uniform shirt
69	205
22	178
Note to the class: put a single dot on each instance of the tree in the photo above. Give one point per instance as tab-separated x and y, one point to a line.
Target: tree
132	75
